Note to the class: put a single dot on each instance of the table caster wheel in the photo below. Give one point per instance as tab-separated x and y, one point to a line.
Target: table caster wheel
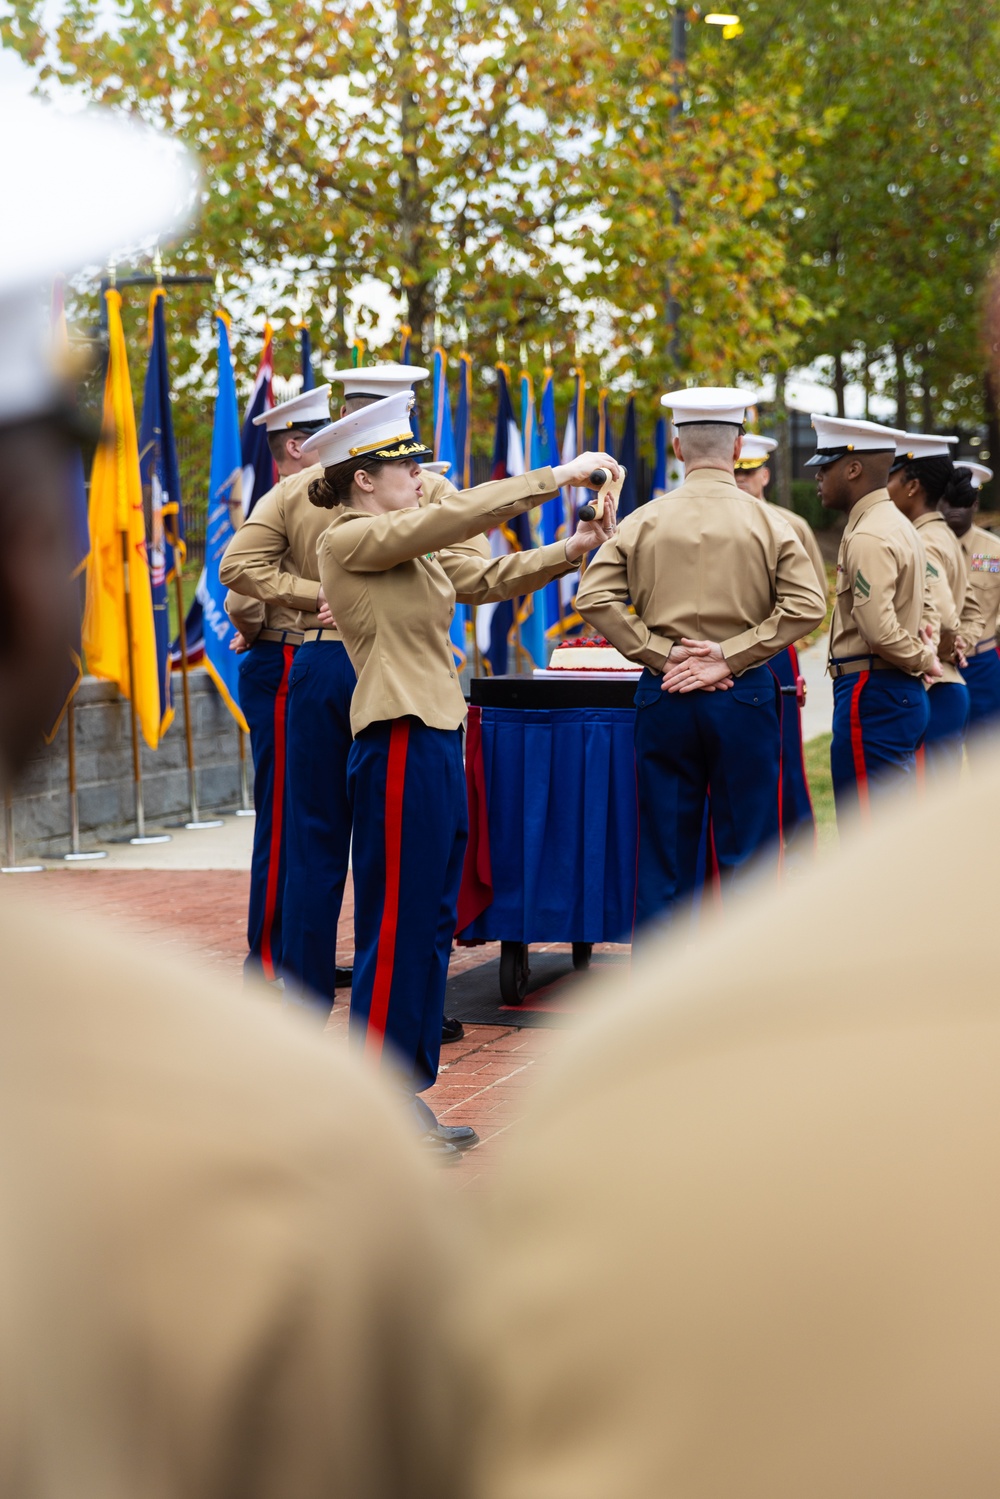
582	953
514	972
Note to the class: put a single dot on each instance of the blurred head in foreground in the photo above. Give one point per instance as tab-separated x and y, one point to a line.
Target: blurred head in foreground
90	186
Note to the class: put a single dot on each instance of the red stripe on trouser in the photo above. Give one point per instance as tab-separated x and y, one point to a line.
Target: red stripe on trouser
395	777
858	745
277	814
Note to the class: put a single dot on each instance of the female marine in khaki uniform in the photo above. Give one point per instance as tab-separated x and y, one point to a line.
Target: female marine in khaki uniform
393	592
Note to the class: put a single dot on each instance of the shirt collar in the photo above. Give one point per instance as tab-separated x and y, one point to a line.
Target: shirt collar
867	502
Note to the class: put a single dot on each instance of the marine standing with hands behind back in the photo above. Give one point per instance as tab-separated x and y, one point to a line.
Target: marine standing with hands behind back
982	551
880	645
267	639
719	584
798	825
392	582
922	476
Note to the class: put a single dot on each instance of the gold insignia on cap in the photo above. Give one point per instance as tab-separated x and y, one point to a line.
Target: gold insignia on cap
369	447
406	451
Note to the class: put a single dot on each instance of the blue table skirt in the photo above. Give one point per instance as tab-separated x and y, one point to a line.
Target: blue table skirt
560	793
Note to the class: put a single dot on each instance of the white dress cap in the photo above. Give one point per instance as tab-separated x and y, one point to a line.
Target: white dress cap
980	473
709	404
89	185
922	445
310	409
836	436
755	452
380	431
439	466
376	381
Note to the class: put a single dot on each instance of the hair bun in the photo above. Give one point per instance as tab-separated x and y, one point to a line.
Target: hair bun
322	495
960	493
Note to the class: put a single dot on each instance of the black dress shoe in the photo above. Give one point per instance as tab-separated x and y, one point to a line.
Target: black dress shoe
458	1136
455	1136
451	1030
440	1150
344	978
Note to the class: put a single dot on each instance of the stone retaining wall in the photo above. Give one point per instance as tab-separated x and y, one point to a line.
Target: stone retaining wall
104	769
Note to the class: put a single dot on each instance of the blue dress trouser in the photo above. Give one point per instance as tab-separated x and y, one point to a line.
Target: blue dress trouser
408	794
685	742
879	722
982	677
318	817
946	728
798	823
264	671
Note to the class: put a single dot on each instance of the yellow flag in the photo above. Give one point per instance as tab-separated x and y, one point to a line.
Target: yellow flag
117	532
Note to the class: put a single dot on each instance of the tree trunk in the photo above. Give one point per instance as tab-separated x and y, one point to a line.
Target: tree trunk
927	402
839	382
413	209
991	490
867	377
783	452
902	411
338	306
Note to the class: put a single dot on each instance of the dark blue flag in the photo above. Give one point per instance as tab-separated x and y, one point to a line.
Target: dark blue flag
308	378
259	472
161	492
628	457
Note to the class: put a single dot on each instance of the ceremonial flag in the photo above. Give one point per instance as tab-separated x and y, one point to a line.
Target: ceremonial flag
572	446
628	457
463	424
259	472
659	485
117	537
225	478
531	607
79	531
161	487
494	622
553	513
605	431
308	378
444	452
405	336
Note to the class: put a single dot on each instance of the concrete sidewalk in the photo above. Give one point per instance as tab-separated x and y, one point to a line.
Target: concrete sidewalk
817	715
225	847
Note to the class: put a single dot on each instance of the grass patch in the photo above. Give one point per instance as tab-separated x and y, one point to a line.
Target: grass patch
817	756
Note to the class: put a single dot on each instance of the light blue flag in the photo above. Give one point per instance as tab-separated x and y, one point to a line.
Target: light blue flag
444	452
224	488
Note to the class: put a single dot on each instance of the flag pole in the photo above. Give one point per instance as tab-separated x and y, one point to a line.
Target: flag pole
141	836
75	856
195	820
10	865
244	809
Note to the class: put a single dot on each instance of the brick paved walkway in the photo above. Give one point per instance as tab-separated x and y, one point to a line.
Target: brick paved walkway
483	1078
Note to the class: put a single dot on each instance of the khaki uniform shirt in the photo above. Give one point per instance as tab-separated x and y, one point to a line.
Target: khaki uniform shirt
955	599
223	1267
392	582
807	536
272	557
705	562
744	1245
250	616
982	551
881	587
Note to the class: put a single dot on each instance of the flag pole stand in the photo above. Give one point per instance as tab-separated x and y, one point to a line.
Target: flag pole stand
244	809
141	836
10	864
195	820
76	855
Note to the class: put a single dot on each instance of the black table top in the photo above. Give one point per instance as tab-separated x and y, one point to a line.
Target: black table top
546	692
